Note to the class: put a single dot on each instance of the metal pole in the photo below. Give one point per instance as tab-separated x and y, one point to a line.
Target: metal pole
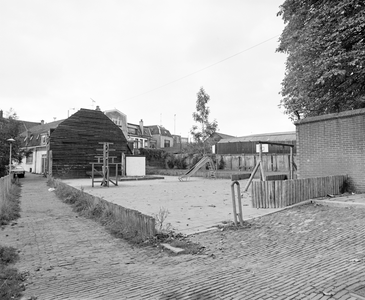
10	159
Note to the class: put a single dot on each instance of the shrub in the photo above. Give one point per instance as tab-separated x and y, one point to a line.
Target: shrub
180	163
221	164
170	162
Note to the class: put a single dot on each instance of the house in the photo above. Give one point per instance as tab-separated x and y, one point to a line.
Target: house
34	141
333	144
141	136
68	147
119	119
162	136
138	135
247	144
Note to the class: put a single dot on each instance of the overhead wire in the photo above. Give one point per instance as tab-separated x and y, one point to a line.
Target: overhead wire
202	69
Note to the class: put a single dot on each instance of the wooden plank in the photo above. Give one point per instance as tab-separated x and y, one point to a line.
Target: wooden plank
240	176
253	195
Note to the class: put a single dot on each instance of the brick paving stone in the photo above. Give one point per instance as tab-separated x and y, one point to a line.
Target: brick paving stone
294	254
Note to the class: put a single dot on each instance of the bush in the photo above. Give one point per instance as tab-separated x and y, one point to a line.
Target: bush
221	164
170	162
180	163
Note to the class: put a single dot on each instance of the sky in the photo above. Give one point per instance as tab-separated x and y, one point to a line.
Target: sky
146	58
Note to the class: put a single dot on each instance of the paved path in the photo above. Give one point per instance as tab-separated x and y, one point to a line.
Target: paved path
307	252
194	205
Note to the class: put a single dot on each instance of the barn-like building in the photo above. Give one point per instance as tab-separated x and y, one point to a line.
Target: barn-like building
68	147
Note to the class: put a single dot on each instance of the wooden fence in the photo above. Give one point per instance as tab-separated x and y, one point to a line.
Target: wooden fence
277	194
5	185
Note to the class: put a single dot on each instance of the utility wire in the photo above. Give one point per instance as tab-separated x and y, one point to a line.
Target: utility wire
200	70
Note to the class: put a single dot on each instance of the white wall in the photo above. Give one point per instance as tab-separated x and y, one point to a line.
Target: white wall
135	166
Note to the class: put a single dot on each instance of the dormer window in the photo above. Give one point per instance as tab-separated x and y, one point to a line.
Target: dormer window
43	139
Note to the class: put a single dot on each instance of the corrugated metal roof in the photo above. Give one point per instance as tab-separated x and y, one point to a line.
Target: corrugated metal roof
270	137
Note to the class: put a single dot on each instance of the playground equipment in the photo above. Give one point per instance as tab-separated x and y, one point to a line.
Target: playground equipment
259	163
104	166
206	160
237	177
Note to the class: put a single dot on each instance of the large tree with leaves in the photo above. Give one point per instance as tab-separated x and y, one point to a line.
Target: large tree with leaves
201	116
9	128
325	67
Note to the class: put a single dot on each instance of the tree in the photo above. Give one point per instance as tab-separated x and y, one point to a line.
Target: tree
9	128
201	116
325	67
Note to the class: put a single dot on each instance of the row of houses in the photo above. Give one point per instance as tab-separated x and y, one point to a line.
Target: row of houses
69	145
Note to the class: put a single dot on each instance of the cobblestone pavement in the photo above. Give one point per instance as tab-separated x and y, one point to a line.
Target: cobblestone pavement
307	252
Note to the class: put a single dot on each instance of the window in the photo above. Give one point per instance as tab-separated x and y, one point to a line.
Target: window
29	158
44	140
166	143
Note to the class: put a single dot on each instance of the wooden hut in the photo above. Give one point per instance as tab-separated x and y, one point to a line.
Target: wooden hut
74	144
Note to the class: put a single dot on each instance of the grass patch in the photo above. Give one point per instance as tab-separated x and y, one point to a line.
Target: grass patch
10	206
11	286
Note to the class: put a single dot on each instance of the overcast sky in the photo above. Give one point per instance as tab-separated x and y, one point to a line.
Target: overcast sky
147	58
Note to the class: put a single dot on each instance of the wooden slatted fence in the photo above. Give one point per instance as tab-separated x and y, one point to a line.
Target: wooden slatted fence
277	194
5	185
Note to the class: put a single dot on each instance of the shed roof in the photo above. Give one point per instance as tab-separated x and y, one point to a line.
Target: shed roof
269	137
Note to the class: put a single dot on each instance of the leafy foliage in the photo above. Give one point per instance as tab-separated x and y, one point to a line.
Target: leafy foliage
201	116
325	67
9	128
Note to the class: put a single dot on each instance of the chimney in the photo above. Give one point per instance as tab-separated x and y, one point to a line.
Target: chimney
97	108
42	122
141	126
1	114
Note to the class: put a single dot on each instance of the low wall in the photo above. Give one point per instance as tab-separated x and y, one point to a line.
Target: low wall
124	222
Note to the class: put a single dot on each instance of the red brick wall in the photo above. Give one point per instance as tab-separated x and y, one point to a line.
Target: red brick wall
333	145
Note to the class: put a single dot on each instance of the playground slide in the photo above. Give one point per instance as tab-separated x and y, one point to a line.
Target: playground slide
196	167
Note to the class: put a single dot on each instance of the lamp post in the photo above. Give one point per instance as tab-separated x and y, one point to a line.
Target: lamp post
11	144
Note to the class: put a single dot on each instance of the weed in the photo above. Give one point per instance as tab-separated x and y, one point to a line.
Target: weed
8	255
160	218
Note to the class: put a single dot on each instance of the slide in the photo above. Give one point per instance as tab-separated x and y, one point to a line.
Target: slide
205	160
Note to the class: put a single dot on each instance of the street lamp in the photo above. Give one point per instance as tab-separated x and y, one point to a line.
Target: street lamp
11	144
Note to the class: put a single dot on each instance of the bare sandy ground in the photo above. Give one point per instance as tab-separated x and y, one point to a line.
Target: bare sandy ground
194	205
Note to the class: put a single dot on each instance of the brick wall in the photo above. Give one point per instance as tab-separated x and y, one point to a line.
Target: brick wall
333	144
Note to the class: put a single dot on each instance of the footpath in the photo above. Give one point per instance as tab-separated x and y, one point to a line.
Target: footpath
306	252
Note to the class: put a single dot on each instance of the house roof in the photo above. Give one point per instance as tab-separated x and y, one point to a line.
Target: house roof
223	136
159	130
269	137
31	136
26	125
